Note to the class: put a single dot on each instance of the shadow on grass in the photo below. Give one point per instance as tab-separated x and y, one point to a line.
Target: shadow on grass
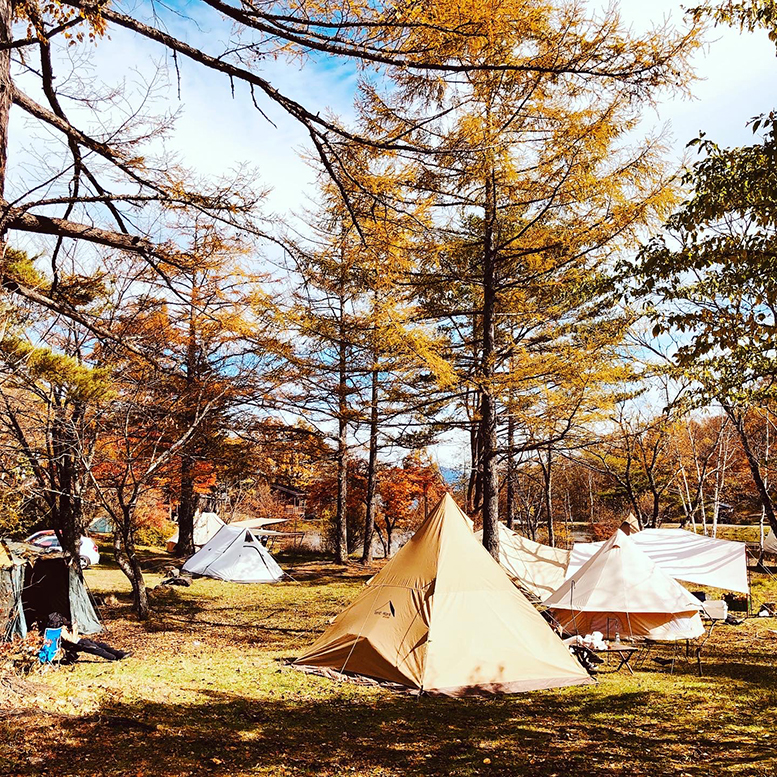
536	734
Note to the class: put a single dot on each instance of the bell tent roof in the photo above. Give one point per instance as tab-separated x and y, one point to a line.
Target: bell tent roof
621	583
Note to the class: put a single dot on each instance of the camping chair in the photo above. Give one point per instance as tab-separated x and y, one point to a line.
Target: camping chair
693	650
50	649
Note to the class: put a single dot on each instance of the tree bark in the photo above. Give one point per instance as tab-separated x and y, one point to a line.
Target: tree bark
187	504
548	496
187	507
755	468
372	471
488	415
126	558
510	472
6	96
341	526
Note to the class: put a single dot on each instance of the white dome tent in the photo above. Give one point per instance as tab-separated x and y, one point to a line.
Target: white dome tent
235	554
620	590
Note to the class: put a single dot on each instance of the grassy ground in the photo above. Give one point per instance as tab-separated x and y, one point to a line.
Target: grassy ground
207	692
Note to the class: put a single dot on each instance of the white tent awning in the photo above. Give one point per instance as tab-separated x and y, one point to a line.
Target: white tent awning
685	556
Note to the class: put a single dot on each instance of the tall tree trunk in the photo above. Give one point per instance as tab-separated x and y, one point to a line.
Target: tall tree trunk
475	480
126	558
755	469
68	516
187	504
548	495
488	413
341	526
5	98
187	507
510	472
372	470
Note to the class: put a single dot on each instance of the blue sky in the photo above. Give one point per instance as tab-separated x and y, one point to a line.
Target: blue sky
737	80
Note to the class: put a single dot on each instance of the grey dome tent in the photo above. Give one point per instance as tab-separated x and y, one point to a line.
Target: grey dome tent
35	582
235	554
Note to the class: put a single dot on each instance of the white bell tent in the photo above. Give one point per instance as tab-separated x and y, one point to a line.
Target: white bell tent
205	526
620	590
683	555
236	555
770	543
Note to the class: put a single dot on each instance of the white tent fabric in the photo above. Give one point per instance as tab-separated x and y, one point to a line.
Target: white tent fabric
619	589
537	568
205	526
683	555
257	523
770	542
237	555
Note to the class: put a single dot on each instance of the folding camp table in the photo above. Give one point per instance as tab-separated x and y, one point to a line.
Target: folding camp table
623	651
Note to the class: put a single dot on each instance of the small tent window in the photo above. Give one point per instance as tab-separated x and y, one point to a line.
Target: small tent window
249	538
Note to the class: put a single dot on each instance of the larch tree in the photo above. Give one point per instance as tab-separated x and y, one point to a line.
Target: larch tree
537	184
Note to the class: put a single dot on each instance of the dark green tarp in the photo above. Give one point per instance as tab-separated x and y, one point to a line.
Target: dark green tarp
35	583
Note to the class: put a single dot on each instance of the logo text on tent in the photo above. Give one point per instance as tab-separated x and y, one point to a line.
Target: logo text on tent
386	613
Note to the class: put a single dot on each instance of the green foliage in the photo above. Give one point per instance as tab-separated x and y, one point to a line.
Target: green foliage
39	363
749	15
714	271
20	267
154	534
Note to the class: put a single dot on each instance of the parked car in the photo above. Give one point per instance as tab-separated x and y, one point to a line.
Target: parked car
87	553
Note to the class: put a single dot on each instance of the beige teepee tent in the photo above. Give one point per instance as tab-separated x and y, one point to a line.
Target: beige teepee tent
536	568
621	590
205	526
443	617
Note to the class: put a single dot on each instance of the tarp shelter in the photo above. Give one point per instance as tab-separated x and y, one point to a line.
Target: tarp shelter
205	526
770	542
257	523
35	582
684	555
443	617
237	555
538	569
101	525
621	591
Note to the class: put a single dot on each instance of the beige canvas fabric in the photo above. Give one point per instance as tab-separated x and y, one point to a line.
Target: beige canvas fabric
621	590
205	526
630	525
538	569
443	617
770	542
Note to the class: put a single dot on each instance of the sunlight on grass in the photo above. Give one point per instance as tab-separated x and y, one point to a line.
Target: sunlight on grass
207	692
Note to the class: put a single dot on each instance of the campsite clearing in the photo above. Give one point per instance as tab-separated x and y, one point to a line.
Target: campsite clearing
207	692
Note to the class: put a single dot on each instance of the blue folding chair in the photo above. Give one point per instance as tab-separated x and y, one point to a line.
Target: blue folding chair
48	652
